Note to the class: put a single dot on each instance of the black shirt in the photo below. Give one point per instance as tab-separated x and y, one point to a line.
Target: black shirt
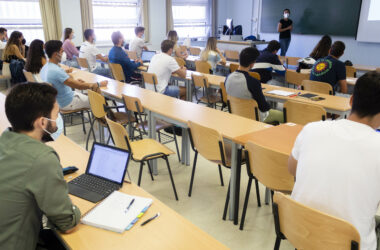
285	24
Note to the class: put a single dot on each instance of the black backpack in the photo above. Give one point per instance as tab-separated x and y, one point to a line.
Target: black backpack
16	67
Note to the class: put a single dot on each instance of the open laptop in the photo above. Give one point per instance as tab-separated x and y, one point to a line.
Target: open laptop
147	55
105	173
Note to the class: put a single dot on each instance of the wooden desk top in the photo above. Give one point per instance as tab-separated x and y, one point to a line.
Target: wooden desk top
351	80
365	67
278	138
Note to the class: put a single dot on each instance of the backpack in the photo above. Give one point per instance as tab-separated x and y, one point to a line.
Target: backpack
16	67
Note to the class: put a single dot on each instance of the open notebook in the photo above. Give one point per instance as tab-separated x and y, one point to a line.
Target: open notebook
111	213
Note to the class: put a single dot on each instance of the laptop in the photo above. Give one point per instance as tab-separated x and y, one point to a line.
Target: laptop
105	173
147	55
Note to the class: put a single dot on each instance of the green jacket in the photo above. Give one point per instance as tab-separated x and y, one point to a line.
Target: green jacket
31	184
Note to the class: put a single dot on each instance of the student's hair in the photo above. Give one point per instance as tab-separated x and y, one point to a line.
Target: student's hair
2	30
14	39
87	33
173	36
28	101
66	33
211	46
248	56
273	46
139	29
166	45
322	48
116	37
348	63
337	49
366	101
52	46
35	55
287	10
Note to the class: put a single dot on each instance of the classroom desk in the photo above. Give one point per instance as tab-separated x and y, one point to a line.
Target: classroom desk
365	67
351	80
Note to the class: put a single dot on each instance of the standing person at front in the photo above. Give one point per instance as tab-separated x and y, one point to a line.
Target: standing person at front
284	27
31	180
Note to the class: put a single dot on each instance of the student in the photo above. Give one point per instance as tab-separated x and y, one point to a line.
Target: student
118	55
3	38
14	48
320	50
69	48
36	59
269	61
240	84
284	27
172	36
164	65
212	54
337	163
329	69
89	51
52	73
138	44
31	180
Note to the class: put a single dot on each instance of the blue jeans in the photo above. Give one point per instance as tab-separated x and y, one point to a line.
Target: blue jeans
172	91
102	71
284	42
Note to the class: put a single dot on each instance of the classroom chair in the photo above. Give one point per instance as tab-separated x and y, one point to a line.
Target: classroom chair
6	74
292	77
292	61
133	104
149	78
282	59
247	108
117	72
132	54
350	71
318	87
202	67
194	51
223	93
180	61
83	64
1	53
308	228
141	151
233	67
232	55
28	76
69	114
255	75
303	113
268	167
201	82
183	48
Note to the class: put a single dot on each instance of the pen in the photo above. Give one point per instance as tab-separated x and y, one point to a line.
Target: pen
150	219
130	204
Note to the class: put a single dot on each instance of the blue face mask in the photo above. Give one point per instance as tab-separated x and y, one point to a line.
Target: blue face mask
73	37
58	132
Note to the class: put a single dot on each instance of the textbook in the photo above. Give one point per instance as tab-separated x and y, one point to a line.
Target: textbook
116	213
281	92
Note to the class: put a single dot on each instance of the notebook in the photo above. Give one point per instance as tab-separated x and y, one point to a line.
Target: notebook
111	213
281	92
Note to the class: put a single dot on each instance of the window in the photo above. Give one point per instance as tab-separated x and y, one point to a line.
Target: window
24	16
113	15
192	18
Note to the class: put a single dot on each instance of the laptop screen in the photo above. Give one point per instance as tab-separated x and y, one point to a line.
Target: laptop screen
108	162
147	55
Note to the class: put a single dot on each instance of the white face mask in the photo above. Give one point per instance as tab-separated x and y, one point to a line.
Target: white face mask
63	57
286	15
59	124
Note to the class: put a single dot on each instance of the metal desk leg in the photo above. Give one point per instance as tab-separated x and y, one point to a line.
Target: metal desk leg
234	173
267	196
152	134
188	84
185	148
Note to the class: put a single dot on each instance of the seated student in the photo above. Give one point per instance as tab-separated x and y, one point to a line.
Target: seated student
212	54
69	48
240	84
14	48
89	51
164	65
138	44
337	163
269	61
329	69
173	36
118	55
31	180
321	50
3	37
52	73
36	59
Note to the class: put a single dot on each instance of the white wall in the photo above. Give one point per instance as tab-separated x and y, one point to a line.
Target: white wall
71	17
157	23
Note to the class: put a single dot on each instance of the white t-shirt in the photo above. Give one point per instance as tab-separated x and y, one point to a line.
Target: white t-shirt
89	51
137	44
163	66
338	172
2	45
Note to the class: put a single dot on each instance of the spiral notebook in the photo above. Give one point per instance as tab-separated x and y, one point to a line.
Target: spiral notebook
112	213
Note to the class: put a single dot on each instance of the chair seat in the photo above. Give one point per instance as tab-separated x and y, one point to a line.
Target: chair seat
120	117
145	147
66	112
212	98
160	124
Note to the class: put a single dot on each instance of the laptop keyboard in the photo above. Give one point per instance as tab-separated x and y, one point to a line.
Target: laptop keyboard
95	184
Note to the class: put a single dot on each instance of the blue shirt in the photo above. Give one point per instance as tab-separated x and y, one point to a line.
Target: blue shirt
118	55
55	75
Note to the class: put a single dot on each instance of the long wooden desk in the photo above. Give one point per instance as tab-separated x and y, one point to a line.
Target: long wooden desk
365	67
169	231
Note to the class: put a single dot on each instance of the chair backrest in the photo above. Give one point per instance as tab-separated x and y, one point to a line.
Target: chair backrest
224	92
29	76
97	102
195	51
206	141
119	135
350	71
1	53
180	61
233	67
247	108
199	80
295	78
308	228
282	59
315	86
133	104
303	113
292	60
83	63
117	71
232	55
150	78
6	71
183	48
255	75
202	67
269	167
132	54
